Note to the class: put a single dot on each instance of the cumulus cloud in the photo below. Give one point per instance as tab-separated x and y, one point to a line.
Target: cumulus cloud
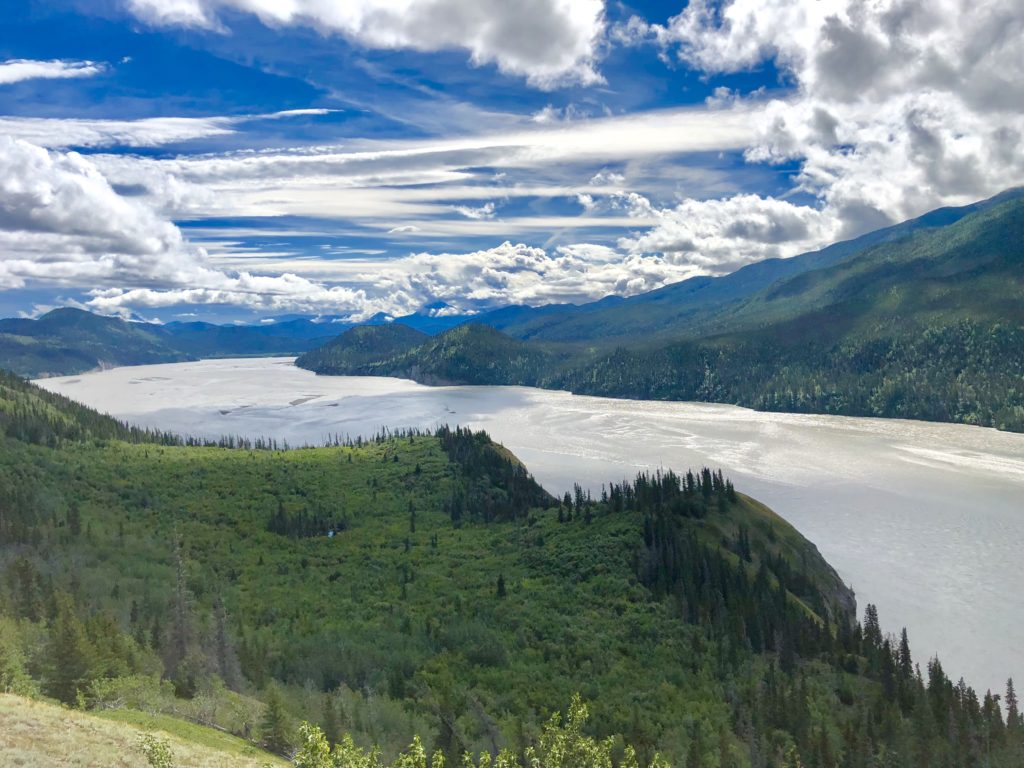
899	106
62	222
549	42
62	200
713	237
16	70
271	293
510	273
516	273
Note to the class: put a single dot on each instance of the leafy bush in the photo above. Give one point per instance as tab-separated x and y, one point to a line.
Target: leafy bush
157	751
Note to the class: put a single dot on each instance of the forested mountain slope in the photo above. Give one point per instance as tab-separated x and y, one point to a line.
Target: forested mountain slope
425	584
684	308
70	341
357	349
468	354
927	326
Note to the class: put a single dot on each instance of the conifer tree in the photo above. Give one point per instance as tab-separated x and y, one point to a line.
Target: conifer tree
275	728
69	655
332	723
1013	716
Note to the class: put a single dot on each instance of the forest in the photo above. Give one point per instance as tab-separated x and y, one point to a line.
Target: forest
422	589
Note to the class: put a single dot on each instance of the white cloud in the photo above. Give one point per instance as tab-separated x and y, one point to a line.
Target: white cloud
719	236
418	181
900	106
63	195
485	211
896	107
549	42
515	273
59	133
62	222
286	292
510	273
16	70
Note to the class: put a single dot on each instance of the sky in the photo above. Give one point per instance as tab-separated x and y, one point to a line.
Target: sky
233	160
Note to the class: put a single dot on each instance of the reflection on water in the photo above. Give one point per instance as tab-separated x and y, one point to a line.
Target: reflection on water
926	520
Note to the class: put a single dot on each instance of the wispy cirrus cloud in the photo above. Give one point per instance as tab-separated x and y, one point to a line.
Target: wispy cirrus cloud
17	70
59	133
414	182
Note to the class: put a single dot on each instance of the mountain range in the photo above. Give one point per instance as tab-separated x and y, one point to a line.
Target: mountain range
68	340
923	320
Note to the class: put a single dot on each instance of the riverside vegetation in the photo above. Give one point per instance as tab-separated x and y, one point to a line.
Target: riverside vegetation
422	589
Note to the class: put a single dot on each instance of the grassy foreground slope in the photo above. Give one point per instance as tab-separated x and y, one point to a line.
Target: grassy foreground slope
37	734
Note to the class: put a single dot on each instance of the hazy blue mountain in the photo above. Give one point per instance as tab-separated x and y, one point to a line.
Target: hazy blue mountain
69	340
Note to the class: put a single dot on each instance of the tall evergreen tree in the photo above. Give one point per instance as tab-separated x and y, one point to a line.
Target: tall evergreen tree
275	729
1013	715
70	655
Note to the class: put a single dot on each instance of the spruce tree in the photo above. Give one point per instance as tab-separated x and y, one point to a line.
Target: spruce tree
275	729
69	656
1013	717
332	723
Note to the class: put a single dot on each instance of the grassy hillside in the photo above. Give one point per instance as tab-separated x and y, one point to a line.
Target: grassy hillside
36	734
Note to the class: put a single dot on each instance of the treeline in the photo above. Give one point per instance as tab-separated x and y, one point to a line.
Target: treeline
493	485
936	370
957	372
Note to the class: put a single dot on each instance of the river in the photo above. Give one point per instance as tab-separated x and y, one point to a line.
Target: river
925	520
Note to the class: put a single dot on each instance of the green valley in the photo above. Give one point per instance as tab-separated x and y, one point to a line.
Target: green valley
424	585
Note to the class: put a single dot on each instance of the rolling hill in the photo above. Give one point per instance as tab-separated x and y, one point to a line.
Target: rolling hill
425	585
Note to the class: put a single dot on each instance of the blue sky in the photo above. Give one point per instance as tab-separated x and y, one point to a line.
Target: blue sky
234	159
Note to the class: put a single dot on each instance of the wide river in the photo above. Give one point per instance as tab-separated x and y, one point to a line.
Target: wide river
925	520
